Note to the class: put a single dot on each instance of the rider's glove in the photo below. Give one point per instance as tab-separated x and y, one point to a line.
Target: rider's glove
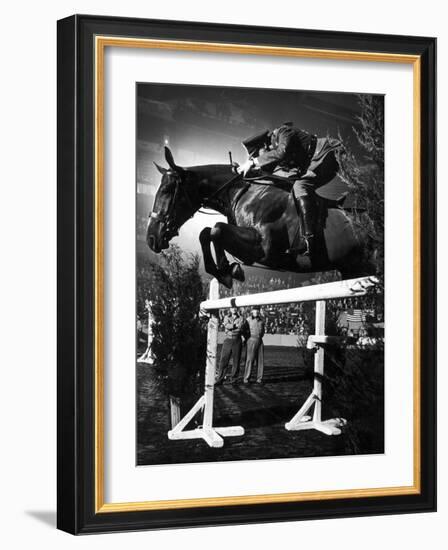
246	167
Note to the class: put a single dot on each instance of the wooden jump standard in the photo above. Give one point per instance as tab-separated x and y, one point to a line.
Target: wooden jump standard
213	435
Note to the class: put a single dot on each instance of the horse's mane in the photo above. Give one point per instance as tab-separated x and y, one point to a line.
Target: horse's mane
207	168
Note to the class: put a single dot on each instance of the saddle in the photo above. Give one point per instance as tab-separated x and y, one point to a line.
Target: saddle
286	183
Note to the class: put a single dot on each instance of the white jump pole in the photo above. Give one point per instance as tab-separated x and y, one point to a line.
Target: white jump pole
311	293
210	434
147	357
301	421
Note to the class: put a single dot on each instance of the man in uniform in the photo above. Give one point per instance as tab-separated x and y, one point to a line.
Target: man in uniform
255	325
231	347
308	160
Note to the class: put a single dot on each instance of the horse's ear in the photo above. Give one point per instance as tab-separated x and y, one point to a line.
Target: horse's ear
160	168
170	160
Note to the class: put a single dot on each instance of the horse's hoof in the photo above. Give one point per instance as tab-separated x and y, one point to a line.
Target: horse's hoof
226	280
237	272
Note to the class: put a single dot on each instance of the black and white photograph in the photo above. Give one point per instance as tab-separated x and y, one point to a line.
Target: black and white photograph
259	274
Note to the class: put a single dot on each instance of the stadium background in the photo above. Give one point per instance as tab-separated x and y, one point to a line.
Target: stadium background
201	124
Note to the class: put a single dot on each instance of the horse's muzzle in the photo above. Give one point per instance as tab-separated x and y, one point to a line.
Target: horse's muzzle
151	240
158	235
154	235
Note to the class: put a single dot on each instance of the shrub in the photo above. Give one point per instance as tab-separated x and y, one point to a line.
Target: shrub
179	338
363	171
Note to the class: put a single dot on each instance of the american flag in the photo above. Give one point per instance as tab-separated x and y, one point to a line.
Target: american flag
355	316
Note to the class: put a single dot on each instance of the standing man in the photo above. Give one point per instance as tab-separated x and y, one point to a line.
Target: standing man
255	345
304	158
231	347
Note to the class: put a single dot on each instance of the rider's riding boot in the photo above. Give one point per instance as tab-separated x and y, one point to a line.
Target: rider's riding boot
306	206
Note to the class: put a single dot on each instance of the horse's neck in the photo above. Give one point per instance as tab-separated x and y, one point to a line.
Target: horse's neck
212	187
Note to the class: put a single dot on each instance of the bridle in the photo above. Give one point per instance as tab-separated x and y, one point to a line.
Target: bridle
167	218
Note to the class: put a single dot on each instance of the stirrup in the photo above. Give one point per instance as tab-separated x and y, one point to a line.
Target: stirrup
303	248
309	241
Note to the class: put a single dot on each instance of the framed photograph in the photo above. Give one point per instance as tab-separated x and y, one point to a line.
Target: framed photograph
246	274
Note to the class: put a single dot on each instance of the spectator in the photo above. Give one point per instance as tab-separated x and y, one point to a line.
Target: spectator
255	326
231	347
366	339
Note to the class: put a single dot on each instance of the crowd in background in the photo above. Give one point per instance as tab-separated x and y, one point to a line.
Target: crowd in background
357	318
354	317
289	319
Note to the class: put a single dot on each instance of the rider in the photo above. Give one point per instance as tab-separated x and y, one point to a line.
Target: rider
303	157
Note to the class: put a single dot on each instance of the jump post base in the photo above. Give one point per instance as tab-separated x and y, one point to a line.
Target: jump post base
302	421
328	427
212	436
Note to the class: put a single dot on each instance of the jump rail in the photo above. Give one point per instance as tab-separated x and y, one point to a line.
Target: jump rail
301	421
311	293
147	356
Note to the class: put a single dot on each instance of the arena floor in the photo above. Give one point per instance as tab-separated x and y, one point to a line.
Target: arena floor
263	409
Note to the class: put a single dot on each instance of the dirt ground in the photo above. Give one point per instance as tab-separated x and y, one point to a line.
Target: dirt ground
263	410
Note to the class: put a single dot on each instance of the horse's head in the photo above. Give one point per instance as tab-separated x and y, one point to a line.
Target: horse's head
173	205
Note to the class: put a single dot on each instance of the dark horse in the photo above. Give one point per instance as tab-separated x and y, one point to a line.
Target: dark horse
262	224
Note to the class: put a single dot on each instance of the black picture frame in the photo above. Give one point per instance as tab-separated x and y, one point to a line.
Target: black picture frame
76	479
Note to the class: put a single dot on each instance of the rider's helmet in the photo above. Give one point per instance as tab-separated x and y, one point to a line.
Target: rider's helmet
254	143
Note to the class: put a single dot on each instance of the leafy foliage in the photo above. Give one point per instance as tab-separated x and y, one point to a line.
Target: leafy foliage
363	172
178	342
354	389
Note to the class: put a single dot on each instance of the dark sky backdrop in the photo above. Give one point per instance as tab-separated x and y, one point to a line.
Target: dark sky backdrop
201	124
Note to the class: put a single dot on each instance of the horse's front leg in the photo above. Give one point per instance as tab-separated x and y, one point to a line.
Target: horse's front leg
209	262
220	271
242	242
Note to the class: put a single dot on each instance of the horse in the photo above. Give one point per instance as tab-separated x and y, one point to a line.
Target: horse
262	224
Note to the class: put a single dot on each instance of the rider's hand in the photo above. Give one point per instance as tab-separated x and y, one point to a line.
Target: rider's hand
246	167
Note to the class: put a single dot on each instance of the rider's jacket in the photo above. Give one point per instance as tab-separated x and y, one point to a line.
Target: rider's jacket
290	148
